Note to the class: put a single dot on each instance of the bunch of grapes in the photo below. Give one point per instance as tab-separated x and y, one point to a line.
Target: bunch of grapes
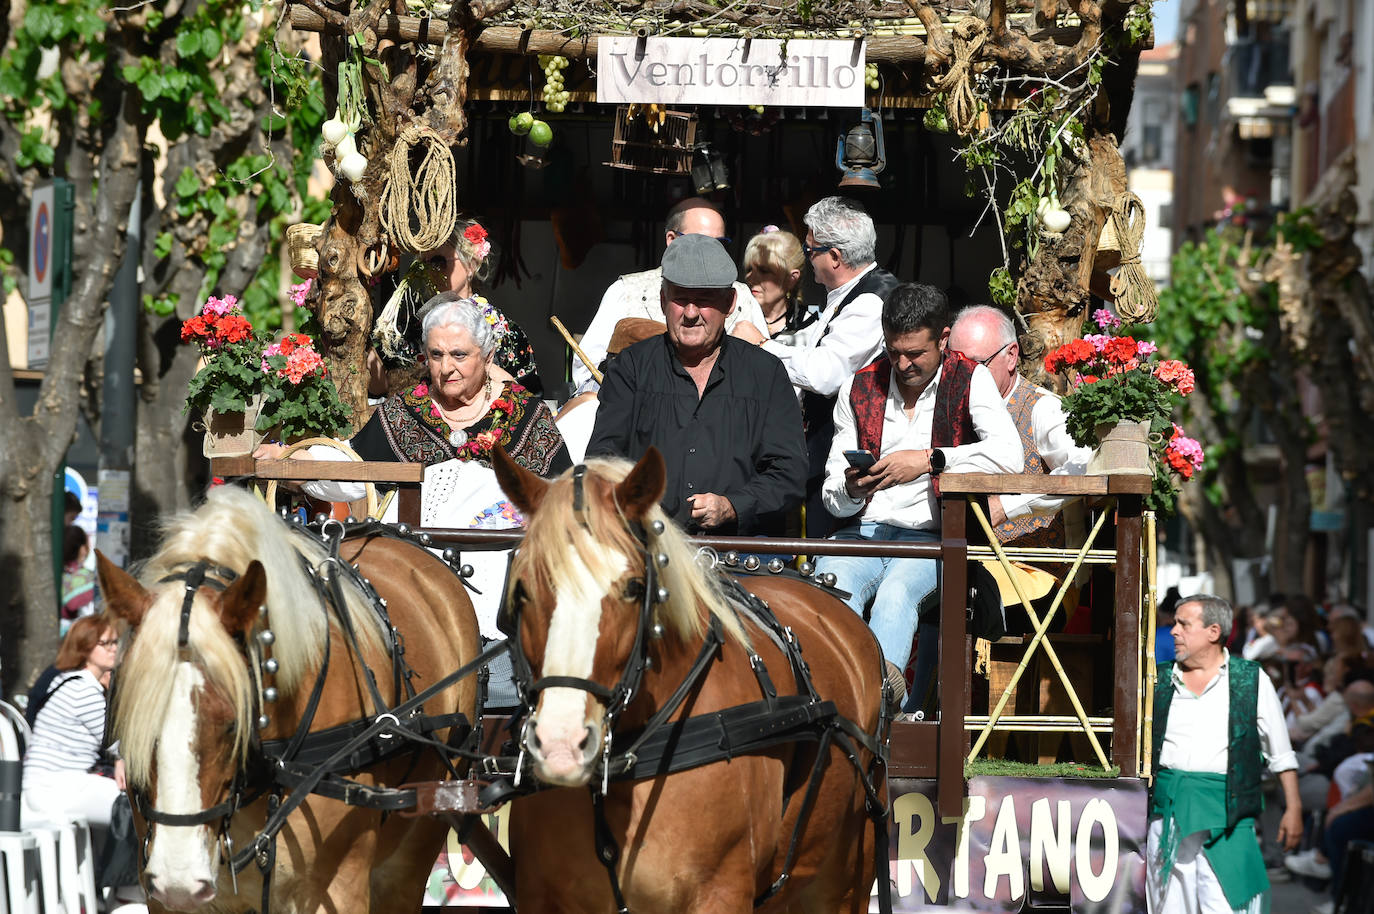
757	109
555	95
871	76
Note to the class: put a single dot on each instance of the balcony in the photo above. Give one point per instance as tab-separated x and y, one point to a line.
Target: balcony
1254	66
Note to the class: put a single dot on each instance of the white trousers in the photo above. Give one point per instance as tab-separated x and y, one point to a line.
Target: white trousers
1192	886
55	796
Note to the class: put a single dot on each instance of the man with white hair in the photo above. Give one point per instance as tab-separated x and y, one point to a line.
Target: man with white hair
987	335
840	244
1218	724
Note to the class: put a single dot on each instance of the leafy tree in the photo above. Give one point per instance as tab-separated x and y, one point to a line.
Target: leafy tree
195	101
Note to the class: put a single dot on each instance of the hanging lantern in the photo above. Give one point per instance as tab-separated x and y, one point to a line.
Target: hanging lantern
708	170
860	153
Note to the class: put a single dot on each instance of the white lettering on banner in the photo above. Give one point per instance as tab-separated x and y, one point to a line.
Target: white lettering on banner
974	809
1004	854
1096	885
915	809
730	71
1049	844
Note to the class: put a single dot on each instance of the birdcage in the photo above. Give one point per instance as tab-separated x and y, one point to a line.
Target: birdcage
653	140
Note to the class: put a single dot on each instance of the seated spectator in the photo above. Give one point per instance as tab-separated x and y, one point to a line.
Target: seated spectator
919	409
773	262
1345	626
1299	690
1332	706
66	774
720	411
1279	628
79	594
1350	815
1331	745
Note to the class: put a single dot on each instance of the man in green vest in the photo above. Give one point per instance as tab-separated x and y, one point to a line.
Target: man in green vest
1217	723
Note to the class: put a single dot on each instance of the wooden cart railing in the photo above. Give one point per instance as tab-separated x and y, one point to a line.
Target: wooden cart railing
927	748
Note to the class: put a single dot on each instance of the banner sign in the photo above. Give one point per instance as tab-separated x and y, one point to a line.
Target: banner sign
1020	839
1080	840
730	71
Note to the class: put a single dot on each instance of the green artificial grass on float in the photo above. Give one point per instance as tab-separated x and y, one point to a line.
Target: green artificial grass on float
1002	768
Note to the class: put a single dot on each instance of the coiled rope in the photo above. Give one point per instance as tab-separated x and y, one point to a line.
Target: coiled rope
426	198
1136	299
961	104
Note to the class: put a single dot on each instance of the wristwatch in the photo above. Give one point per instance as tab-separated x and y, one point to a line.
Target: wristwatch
937	462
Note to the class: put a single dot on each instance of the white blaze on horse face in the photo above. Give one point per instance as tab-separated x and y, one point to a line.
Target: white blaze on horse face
183	861
567	740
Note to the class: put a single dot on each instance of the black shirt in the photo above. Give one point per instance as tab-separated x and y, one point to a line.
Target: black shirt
742	438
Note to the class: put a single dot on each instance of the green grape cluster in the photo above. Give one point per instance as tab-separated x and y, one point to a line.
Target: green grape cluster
757	109
555	95
871	76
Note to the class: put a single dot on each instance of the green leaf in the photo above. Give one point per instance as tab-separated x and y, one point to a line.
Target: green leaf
163	245
188	185
150	85
188	43
210	41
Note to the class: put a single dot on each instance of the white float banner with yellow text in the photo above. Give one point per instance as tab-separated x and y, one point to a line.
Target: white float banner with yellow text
730	71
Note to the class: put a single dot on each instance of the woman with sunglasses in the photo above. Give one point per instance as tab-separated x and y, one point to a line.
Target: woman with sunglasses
66	773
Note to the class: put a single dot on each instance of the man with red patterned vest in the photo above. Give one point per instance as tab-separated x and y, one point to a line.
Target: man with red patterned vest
987	336
920	409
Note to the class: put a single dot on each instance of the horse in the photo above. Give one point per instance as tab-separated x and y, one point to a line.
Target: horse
717	837
231	647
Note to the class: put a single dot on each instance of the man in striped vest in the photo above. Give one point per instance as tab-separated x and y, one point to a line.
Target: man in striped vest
987	336
917	410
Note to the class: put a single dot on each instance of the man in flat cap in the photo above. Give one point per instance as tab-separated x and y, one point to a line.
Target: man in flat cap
721	411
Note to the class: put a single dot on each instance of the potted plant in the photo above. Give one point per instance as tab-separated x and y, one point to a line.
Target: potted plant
1121	401
247	387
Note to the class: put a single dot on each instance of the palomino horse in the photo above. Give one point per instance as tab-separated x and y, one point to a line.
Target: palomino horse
708	838
204	689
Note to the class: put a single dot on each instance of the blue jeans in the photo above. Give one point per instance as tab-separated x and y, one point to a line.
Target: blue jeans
896	586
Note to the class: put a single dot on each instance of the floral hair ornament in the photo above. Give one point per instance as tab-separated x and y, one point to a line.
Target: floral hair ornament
767	229
476	236
497	320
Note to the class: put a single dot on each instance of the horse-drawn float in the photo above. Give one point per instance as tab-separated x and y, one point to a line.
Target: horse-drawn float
299	710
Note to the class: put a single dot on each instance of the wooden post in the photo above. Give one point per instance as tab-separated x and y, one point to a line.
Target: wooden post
1126	638
954	659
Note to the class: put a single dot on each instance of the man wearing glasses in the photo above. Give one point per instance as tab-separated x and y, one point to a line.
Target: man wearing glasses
987	335
920	409
840	245
720	411
636	294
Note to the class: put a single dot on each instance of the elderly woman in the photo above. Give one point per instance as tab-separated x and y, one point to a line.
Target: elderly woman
64	764
460	266
772	269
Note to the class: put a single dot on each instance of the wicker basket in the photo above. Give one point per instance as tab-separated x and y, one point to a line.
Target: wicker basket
667	151
301	241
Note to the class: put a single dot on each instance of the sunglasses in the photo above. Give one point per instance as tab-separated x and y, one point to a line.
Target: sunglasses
808	250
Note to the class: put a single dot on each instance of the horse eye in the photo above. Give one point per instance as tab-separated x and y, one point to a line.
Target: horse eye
634	590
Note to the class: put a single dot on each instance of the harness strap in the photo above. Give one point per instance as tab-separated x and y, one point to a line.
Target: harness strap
195	579
710	649
317	691
572	682
607	850
321	744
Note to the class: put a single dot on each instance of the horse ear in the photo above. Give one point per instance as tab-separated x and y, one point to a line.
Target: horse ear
523	488
643	488
124	596
238	607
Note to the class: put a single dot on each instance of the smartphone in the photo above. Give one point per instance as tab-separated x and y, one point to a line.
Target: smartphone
862	460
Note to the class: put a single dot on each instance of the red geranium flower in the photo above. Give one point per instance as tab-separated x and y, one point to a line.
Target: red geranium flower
475	234
1119	349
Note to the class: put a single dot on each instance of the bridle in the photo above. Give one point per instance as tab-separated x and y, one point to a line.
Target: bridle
617	699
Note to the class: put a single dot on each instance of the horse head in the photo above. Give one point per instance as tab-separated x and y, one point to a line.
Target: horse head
184	730
579	591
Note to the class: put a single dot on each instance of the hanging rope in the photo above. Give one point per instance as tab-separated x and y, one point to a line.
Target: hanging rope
961	104
426	198
1134	291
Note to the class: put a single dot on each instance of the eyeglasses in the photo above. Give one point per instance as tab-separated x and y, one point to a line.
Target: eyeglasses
984	362
808	250
108	642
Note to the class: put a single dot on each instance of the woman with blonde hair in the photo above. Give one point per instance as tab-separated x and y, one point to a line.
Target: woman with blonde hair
772	269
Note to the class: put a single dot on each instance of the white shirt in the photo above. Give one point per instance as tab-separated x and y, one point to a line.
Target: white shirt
823	364
913	504
637	295
1056	448
1197	733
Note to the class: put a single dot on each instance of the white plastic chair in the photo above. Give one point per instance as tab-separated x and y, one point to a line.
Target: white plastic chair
19	850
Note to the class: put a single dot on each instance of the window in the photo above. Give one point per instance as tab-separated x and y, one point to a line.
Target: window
1152	144
1188	105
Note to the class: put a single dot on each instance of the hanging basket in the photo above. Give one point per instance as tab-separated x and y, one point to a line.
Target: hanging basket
301	241
232	434
1125	448
636	146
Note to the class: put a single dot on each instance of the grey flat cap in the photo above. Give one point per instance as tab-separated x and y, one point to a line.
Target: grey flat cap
698	262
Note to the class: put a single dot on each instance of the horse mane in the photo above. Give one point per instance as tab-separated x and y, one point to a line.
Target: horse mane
232	528
556	542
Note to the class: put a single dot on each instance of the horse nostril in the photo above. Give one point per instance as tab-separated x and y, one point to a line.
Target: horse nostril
205	890
587	740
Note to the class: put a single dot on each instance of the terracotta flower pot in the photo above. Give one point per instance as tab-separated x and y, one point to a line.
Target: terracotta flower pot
1125	448
232	434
